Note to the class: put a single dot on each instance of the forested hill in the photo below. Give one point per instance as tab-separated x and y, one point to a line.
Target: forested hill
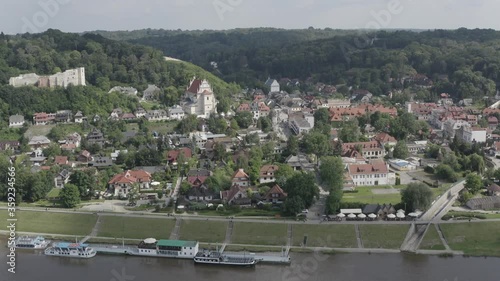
107	63
469	58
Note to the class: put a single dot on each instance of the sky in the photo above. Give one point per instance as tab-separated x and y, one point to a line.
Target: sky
19	16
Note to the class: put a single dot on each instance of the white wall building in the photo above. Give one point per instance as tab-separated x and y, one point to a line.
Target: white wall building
199	99
74	77
376	173
473	134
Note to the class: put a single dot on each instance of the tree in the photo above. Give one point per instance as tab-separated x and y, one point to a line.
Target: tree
283	173
85	181
432	150
244	119
331	172
333	201
302	185
322	115
477	163
292	147
293	206
133	194
417	196
445	172
473	183
350	131
316	143
400	150
70	196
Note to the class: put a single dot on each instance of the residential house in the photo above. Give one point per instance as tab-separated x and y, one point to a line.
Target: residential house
176	113
197	177
37	157
124	90
276	195
79	117
300	162
71	142
385	139
173	155
62	178
101	162
9	145
301	123
128	117
157	115
240	178
152	93
123	183
417	147
116	114
64	116
16	121
272	85
373	174
96	137
492	122
451	126
369	150
493	190
39	142
84	157
199	99
61	160
140	112
259	109
236	195
336	103
486	203
42	118
201	193
267	173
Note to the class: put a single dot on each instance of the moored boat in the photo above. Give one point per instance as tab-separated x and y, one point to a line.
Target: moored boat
74	250
31	242
214	257
166	248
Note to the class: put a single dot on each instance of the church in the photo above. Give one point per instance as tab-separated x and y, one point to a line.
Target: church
199	99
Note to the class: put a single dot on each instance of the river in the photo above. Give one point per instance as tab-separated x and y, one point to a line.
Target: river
34	266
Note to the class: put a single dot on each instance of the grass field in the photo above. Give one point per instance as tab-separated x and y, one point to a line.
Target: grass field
39	130
365	195
431	240
136	228
204	231
334	236
54	223
478	238
467	214
383	236
259	233
10	134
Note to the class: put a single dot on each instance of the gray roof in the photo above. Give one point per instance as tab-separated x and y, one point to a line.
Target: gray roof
16	118
39	140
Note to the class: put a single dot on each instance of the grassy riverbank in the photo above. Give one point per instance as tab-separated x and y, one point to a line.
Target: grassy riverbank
476	238
135	228
383	236
431	240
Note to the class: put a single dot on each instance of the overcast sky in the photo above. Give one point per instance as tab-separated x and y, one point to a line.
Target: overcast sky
18	16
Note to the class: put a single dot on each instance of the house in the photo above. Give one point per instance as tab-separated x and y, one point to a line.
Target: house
152	93
128	117
301	123
116	114
471	134
64	116
267	173
37	157
96	137
486	203
373	174
61	160
276	195
300	162
9	145
197	177
493	190
272	85
157	115
173	155
199	99
114	155
16	121
385	139
101	162
79	117
140	112
123	183
369	150
200	193
84	157
62	178
176	113
240	178
492	122
42	118
39	142
375	209
401	165
236	195
71	142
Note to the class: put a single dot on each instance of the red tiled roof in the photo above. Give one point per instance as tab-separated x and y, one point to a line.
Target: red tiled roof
195	86
61	160
363	169
197	180
276	189
240	174
172	155
268	169
131	176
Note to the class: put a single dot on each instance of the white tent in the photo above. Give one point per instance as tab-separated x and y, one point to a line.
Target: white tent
341	215
413	215
400	215
351	216
155	183
401	211
372	216
391	216
362	216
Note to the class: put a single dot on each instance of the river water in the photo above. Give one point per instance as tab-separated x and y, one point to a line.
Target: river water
34	266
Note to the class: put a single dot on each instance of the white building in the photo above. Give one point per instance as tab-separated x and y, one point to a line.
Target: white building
16	121
301	123
376	173
451	126
272	85
471	134
74	77
199	99
176	113
157	115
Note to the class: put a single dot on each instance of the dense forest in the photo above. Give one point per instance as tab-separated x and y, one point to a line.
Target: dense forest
464	63
107	63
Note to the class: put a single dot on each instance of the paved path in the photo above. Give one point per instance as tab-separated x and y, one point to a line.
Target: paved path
441	236
358	236
174	235
95	230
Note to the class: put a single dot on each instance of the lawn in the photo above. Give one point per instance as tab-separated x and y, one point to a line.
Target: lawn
10	134
466	215
53	223
383	236
259	233
136	228
204	231
334	236
365	195
54	193
477	238
240	213
431	240
39	130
